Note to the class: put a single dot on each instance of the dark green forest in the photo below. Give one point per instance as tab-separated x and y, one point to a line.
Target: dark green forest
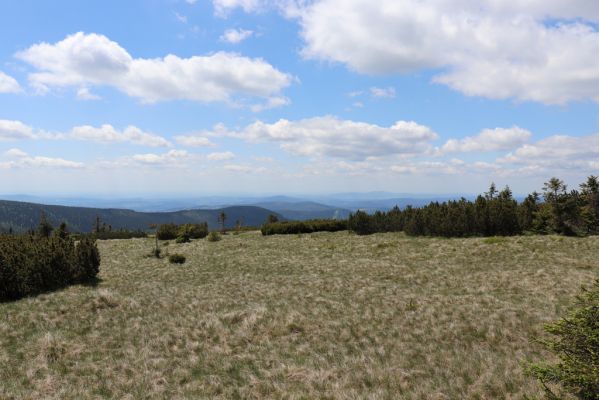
495	213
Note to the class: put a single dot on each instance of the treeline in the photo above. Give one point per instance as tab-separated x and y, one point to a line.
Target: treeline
293	227
45	260
556	210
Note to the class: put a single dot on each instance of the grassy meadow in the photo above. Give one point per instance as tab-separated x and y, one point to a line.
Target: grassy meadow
324	315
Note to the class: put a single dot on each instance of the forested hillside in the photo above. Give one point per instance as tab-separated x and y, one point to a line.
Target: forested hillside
20	216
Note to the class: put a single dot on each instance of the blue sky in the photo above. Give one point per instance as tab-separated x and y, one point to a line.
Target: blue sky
282	96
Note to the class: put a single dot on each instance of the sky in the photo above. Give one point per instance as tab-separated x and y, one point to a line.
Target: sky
184	97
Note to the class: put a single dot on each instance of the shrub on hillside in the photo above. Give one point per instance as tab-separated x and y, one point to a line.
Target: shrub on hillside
167	232
176	259
294	227
194	231
575	342
214	237
182	239
34	264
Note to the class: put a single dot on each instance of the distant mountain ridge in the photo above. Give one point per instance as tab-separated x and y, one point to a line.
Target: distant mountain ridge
21	216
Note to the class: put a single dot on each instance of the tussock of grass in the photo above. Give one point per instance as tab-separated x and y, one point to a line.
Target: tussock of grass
327	315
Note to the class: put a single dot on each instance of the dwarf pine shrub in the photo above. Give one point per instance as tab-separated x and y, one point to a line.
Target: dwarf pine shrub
31	264
295	227
214	236
194	231
575	342
167	232
176	259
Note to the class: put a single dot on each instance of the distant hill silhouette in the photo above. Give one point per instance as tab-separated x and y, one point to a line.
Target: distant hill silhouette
21	216
304	210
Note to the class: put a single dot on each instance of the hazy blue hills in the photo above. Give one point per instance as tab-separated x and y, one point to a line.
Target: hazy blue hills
21	216
23	211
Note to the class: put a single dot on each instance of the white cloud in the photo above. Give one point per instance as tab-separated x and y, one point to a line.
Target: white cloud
108	134
227	155
23	160
8	84
192	2
535	50
272	102
385	93
331	137
244	168
488	140
17	130
235	36
195	140
173	157
181	18
15	153
558	152
222	7
12	130
85	94
90	59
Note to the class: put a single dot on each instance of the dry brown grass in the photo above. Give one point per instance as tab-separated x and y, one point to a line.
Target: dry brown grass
315	316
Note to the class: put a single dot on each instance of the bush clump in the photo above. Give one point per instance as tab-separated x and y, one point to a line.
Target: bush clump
214	236
32	264
176	259
194	231
167	232
182	239
294	227
575	342
189	231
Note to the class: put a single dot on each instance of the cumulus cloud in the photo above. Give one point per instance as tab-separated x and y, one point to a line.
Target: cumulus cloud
195	140
17	130
223	7
8	84
84	60
488	140
244	168
21	159
534	50
108	134
332	137
385	93
235	36
84	93
172	157
272	102
227	155
558	152
12	130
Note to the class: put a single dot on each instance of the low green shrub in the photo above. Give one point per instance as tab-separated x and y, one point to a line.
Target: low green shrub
35	264
121	234
176	259
194	231
167	232
182	239
575	342
295	227
214	236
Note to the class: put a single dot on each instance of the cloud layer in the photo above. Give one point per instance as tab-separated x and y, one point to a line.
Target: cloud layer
535	50
8	84
489	140
82	60
332	137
